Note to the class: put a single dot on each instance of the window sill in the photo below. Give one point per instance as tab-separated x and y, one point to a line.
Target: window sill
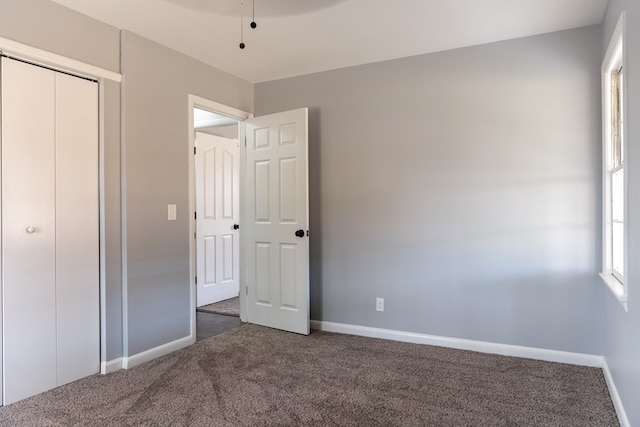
616	288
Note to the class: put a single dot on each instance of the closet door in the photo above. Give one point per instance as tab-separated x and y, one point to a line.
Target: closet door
50	229
28	230
77	246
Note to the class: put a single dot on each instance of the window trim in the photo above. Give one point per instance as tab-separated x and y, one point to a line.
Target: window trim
615	58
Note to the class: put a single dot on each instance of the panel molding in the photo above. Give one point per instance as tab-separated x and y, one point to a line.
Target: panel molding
227	184
262	139
262	196
288	276
227	258
210	273
287	134
210	182
263	273
288	179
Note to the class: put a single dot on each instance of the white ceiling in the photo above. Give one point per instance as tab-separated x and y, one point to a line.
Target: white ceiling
295	37
205	119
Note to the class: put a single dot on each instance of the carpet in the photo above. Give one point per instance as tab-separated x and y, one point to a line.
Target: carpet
229	307
255	376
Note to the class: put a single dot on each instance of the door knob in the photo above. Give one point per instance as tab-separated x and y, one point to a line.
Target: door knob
236	226
300	233
30	229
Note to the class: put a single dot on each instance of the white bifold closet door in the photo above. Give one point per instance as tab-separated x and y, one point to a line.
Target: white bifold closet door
50	229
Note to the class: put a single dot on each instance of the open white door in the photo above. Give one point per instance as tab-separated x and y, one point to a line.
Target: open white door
276	221
217	245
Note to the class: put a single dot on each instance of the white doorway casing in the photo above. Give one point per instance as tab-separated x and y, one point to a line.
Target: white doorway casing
194	101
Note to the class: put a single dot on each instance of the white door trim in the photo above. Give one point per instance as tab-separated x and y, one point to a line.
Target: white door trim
49	59
206	104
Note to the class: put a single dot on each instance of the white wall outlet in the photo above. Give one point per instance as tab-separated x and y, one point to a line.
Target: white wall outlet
172	212
379	304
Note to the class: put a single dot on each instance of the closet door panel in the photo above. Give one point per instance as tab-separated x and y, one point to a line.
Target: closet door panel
28	230
77	245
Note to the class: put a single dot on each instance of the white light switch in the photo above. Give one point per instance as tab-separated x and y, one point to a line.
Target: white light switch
172	212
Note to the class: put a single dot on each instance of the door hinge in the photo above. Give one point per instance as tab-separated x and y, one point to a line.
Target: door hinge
246	290
195	215
194	235
194	151
196	280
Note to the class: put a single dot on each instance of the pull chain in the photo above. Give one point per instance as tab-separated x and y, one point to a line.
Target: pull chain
241	19
253	16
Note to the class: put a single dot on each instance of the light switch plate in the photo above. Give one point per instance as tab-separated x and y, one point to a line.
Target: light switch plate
172	212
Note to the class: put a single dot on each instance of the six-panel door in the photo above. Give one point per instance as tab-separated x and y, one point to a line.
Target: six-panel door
276	207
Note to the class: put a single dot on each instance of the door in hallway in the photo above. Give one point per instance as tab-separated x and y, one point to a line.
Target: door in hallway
217	206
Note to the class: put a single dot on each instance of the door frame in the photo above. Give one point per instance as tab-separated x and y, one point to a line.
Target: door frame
61	63
194	101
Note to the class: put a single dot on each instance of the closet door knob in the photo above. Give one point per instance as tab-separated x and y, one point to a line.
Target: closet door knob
30	229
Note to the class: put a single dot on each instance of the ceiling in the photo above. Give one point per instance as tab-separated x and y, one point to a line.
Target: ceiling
205	119
295	37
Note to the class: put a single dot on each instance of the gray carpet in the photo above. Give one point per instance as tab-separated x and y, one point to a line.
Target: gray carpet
229	307
254	376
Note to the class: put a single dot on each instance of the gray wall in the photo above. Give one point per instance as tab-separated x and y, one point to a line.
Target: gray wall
463	187
48	26
154	105
146	162
621	343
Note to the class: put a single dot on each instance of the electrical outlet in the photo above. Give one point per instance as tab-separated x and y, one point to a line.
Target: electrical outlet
379	304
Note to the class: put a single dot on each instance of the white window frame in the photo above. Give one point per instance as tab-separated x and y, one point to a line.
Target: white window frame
615	59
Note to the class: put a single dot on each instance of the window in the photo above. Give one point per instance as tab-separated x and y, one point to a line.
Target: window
614	175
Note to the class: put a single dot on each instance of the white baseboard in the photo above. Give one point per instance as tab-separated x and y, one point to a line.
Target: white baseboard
463	344
615	397
111	366
153	353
